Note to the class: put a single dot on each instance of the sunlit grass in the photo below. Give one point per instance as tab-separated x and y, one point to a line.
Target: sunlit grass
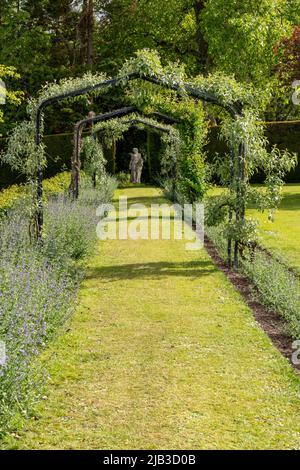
281	236
162	354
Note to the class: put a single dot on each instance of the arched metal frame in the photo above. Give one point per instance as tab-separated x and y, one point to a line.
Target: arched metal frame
76	164
77	133
235	110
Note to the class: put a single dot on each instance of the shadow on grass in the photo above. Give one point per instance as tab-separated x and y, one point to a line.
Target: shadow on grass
145	200
156	270
291	202
134	185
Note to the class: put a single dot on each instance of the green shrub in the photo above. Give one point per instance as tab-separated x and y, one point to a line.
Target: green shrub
123	178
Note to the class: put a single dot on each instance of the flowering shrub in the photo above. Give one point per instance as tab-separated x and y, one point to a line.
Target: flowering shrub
38	289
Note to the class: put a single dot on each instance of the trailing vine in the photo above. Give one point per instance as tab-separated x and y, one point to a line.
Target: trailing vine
240	128
22	153
240	108
93	157
113	130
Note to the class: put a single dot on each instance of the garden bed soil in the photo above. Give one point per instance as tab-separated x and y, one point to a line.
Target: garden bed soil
268	319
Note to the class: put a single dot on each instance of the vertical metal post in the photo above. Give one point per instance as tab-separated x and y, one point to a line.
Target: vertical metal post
113	153
230	214
240	205
39	216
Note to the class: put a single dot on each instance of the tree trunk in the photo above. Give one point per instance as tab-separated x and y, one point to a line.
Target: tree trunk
202	45
149	155
113	154
85	33
76	164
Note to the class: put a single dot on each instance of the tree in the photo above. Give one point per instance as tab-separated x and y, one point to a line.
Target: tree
85	33
289	65
174	29
242	35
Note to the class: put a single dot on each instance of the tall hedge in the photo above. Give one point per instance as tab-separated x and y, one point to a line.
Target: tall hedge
286	135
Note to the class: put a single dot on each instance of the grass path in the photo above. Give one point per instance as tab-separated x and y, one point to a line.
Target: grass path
163	354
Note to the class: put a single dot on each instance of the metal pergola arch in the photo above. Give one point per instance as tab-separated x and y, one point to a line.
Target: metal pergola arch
74	186
235	110
158	128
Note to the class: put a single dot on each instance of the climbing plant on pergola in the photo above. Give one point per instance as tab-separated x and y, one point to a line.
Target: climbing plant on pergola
242	132
79	126
136	119
235	109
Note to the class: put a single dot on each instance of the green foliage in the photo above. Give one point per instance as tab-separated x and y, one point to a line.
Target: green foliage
13	97
112	130
44	41
123	179
52	187
67	85
94	161
192	183
131	25
242	36
249	156
58	184
9	196
22	153
187	146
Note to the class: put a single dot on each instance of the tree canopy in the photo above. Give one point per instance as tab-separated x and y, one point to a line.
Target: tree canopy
49	40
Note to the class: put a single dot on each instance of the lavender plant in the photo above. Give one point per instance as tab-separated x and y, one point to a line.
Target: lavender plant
38	290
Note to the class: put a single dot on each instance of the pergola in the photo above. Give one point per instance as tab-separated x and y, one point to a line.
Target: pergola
234	109
79	126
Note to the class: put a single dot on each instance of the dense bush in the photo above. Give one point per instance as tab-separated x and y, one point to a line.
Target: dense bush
38	288
53	186
123	178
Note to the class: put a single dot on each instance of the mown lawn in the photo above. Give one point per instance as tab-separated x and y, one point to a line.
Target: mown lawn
281	236
162	354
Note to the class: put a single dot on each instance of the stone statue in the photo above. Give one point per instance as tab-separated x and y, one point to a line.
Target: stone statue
136	166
